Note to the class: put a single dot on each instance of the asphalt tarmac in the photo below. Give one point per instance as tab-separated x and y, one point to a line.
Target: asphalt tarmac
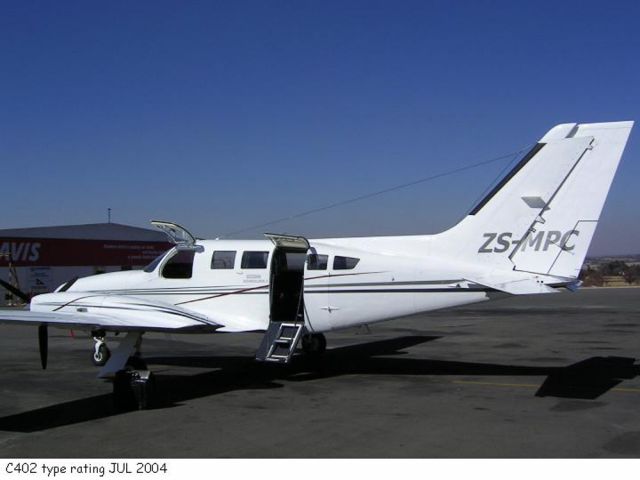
542	376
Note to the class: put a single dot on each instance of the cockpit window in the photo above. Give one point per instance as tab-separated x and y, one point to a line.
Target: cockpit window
344	263
180	265
154	263
254	260
317	262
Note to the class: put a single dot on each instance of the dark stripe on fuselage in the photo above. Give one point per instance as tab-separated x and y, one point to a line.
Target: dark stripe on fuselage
311	289
404	290
190	291
214	289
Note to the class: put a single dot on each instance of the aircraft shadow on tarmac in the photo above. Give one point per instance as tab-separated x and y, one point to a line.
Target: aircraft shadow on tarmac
587	379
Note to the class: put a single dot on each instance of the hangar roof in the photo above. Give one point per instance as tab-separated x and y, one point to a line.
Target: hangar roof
91	231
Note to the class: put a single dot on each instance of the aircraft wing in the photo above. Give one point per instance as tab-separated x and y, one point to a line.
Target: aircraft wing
109	313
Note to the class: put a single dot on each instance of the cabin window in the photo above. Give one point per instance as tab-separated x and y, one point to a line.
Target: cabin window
223	260
180	265
317	262
254	260
344	263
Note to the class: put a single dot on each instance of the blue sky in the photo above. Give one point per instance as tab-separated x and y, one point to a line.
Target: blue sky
221	115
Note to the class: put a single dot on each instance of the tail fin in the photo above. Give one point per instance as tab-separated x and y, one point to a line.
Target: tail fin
541	217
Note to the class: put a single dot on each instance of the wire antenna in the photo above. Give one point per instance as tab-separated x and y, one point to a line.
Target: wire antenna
512	156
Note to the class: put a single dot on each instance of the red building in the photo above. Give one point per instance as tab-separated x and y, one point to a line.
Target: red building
45	257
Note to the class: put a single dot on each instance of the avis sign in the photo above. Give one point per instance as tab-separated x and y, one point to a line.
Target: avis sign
20	251
538	241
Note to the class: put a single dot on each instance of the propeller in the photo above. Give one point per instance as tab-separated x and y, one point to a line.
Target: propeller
43	343
25	297
43	333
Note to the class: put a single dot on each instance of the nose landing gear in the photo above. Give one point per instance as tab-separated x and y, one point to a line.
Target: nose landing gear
101	353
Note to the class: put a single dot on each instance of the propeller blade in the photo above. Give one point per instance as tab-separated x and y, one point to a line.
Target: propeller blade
17	292
43	343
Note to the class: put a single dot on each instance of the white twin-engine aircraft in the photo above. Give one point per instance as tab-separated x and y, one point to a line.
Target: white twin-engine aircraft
529	235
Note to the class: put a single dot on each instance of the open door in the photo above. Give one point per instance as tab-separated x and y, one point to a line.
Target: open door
177	234
287	278
286	299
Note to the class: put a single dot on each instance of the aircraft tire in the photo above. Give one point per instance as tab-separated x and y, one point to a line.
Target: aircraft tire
314	344
101	357
123	396
131	392
136	362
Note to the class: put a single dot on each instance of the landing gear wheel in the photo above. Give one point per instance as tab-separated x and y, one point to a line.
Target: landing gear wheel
314	344
133	390
100	355
136	362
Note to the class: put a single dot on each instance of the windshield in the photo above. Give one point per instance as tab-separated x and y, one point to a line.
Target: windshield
152	266
180	265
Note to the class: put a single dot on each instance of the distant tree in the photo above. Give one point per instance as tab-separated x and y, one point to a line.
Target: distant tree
591	277
617	267
630	274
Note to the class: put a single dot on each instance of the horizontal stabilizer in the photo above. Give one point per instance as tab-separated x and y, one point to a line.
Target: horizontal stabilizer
520	286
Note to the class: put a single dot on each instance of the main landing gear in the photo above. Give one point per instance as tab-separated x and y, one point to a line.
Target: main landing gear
314	344
133	389
133	382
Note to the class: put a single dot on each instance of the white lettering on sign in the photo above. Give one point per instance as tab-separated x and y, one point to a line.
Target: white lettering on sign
20	251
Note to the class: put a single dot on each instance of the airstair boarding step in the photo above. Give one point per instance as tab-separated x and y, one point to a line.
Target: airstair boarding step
279	342
289	330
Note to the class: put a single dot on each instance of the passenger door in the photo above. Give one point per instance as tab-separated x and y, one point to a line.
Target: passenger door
316	295
286	282
340	303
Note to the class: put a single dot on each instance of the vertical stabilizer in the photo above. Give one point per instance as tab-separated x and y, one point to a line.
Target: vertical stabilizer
541	217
